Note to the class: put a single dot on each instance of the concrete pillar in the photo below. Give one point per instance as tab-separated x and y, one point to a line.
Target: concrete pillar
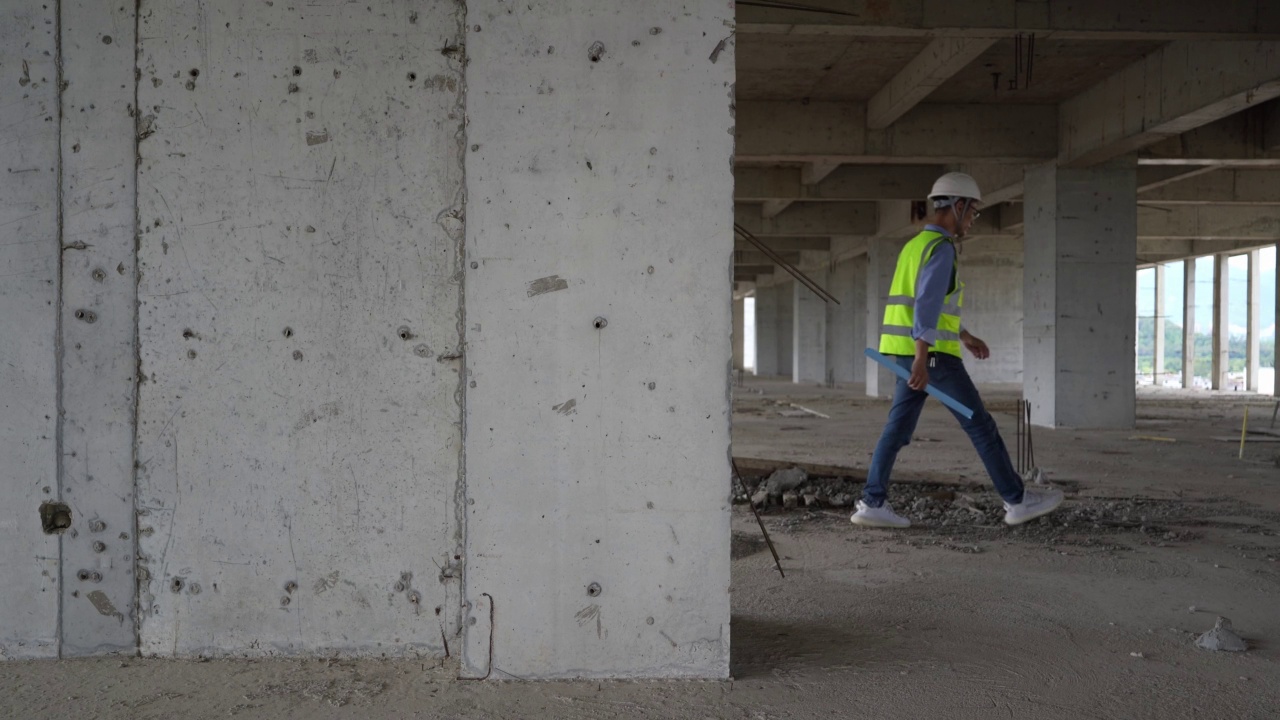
1254	355
1157	361
1079	288
1221	323
1188	323
809	347
847	322
739	333
786	328
586	556
29	308
882	260
767	330
99	380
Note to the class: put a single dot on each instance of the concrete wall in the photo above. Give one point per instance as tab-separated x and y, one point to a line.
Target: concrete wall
993	312
786	327
99	362
809	333
847	322
598	325
299	193
767	330
29	241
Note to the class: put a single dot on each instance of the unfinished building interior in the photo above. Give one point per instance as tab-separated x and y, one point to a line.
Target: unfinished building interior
419	336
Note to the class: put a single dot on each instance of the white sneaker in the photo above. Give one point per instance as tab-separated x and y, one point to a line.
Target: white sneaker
1034	504
883	516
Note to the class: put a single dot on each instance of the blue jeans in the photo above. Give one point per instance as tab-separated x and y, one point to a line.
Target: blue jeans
946	373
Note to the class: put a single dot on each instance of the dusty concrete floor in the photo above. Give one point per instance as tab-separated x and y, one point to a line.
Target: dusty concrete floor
1084	617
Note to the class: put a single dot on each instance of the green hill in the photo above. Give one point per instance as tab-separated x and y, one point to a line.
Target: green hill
1204	349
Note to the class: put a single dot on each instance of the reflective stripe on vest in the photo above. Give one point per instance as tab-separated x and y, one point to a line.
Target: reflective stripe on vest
899	313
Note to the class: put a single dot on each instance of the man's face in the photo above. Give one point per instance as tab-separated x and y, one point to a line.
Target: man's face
971	213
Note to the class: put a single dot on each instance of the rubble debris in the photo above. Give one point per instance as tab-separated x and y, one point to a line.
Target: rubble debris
1222	638
784	480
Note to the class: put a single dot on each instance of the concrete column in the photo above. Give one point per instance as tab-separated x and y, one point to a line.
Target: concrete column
846	322
786	328
99	362
739	333
809	347
1157	361
1221	320
1188	323
767	331
1079	288
1254	356
298	404
585	556
29	309
882	259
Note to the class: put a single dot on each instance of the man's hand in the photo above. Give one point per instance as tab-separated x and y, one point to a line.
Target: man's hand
919	367
975	345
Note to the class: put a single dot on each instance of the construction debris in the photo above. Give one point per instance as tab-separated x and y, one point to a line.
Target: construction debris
785	480
1222	638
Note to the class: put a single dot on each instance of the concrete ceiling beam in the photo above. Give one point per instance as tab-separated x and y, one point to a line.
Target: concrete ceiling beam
787	244
853	182
802	219
1203	222
1153	178
1155	250
773	208
937	63
1214	186
1179	87
1138	20
775	131
755	257
1209	222
814	173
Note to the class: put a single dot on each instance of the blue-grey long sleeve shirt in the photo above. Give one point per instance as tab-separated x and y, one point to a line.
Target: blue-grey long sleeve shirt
932	285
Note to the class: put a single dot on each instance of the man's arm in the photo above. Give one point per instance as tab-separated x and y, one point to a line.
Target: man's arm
932	285
931	291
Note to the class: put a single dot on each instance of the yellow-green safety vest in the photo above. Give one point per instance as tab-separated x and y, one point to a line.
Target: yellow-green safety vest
900	313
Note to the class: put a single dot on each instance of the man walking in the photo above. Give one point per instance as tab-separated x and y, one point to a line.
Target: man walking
922	333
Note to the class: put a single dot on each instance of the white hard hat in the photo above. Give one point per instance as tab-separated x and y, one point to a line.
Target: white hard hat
956	184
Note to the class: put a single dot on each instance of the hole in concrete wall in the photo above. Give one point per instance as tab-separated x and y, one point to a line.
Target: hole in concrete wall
106	40
99	546
55	517
176	584
188	334
600	323
99	274
297	71
596	51
404	333
288	332
86	315
413	76
195	73
594	590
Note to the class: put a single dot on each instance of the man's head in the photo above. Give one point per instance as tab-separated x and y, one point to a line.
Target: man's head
956	200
